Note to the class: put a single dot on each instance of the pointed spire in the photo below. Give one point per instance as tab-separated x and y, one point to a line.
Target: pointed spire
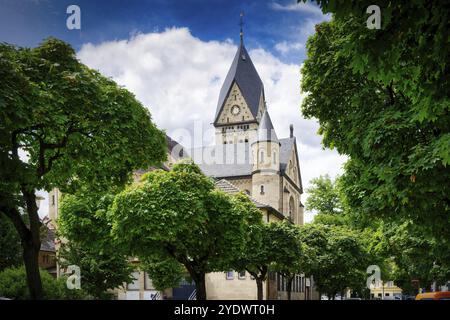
266	131
241	23
243	73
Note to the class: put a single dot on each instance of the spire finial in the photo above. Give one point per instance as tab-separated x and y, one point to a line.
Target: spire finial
241	23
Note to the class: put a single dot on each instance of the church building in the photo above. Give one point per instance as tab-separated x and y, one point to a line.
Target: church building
248	156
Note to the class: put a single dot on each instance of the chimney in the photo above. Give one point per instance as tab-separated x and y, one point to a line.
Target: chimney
291	129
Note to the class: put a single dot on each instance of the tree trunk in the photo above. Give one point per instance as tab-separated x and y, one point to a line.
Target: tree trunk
289	287
30	241
200	286
259	285
31	261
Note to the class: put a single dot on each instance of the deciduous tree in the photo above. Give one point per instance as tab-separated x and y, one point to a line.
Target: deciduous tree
87	243
179	214
73	126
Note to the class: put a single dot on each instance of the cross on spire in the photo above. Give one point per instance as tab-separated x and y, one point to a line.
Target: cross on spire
241	23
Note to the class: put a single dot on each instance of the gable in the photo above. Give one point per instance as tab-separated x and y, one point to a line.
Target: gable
242	72
235	98
289	163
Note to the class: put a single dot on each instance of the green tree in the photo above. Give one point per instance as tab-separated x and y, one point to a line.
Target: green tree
337	258
255	257
289	253
178	214
74	126
165	272
415	256
10	249
382	98
83	224
323	196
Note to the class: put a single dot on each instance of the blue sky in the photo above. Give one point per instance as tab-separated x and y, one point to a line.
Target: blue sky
174	56
267	22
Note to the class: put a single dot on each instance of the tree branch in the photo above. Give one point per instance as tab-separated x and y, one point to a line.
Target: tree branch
14	215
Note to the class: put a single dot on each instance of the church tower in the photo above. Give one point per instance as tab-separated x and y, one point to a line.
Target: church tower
266	164
241	101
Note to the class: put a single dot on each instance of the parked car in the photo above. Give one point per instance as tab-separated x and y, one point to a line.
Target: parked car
440	295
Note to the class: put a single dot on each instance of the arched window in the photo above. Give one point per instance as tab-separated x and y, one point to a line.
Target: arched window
262	190
291	208
261	156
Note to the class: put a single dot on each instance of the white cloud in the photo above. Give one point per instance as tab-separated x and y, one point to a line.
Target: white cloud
285	47
297	7
178	77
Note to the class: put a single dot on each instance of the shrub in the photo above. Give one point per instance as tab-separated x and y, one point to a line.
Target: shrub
13	285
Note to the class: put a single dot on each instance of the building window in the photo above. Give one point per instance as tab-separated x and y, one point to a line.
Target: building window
246	140
135	284
261	156
262	190
274	158
291	208
241	275
148	284
230	275
53	200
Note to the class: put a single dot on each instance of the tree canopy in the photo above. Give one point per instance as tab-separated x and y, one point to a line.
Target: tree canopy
288	252
87	243
64	125
381	97
178	214
337	258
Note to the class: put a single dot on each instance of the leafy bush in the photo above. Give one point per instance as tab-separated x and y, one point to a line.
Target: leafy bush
13	285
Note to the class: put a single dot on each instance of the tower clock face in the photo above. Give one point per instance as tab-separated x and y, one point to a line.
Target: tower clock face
235	110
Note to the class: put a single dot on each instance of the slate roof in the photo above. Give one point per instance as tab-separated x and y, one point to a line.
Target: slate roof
230	188
224	160
286	147
243	72
266	131
234	160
